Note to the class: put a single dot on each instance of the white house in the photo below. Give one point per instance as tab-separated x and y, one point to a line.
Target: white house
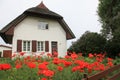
37	30
4	48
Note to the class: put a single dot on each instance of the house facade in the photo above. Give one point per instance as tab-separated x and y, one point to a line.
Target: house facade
38	30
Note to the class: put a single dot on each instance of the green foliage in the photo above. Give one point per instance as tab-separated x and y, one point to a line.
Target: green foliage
109	13
117	61
89	43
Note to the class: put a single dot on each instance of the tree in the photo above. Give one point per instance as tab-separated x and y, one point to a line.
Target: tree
113	45
89	42
109	13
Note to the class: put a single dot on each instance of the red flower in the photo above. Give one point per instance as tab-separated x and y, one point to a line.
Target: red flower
109	59
6	66
74	56
43	79
48	73
60	68
42	66
18	66
22	53
110	64
56	61
91	55
55	54
67	63
46	63
89	67
67	57
75	68
102	67
99	59
31	65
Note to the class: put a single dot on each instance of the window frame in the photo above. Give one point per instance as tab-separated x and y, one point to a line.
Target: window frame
43	46
43	25
26	46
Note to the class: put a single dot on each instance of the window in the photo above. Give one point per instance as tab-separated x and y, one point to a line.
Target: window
43	25
40	46
26	46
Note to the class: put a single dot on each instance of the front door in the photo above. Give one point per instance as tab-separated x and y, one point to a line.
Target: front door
54	46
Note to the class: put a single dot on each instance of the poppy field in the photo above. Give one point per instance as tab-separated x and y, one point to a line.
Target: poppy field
53	68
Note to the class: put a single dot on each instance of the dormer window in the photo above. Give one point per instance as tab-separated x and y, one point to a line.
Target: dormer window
43	25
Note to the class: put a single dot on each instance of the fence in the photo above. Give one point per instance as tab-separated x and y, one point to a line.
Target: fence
112	73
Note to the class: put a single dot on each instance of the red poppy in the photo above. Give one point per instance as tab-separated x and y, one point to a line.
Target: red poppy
60	68
109	59
42	66
48	73
56	61
91	55
46	63
67	63
67	57
75	68
18	66
110	64
74	56
5	66
43	79
31	65
55	54
101	67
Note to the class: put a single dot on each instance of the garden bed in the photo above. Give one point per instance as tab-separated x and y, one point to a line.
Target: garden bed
52	68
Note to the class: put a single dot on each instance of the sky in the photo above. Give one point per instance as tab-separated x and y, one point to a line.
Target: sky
80	15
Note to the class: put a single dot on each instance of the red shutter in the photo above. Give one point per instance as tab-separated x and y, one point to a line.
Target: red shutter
46	46
19	45
34	45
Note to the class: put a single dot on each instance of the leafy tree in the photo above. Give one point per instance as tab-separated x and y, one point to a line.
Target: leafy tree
109	13
89	43
113	45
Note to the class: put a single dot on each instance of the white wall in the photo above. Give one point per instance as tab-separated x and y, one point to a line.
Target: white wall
3	48
28	30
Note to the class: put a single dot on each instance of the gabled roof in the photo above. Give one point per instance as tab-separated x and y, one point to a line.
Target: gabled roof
40	11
